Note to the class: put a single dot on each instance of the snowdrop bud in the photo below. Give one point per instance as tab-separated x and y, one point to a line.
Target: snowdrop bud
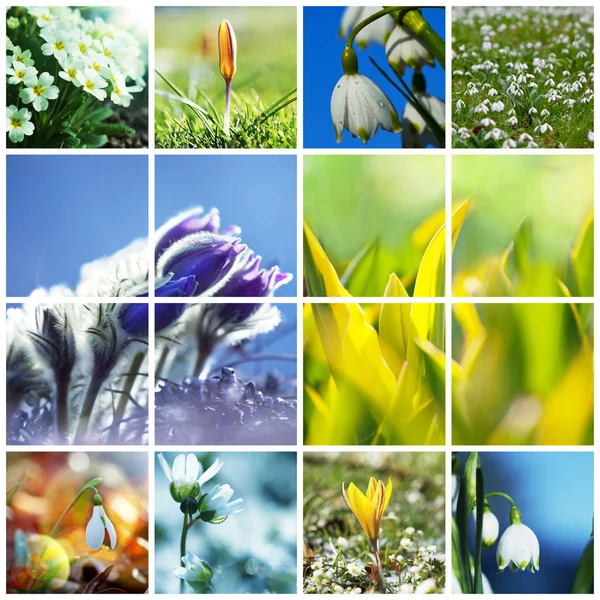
227	50
491	527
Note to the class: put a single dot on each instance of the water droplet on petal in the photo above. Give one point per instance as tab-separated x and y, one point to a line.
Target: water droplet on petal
380	103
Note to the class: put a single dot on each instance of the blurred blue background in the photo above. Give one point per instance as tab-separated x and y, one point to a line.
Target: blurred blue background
555	493
64	211
256	548
323	67
258	193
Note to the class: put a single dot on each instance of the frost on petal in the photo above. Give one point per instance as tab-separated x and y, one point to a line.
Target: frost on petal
94	532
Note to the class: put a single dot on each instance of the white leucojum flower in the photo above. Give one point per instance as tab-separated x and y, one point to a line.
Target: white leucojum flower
403	49
376	32
416	131
361	107
518	547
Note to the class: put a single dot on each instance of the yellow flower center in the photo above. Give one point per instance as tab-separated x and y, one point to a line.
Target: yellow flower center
96	66
59	45
89	84
107	53
72	73
20	74
45	18
38	89
82	48
15	122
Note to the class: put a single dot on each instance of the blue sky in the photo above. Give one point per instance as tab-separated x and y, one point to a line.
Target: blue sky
555	493
258	193
64	211
322	69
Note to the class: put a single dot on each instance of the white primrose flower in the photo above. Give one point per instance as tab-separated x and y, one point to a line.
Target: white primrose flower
38	91
98	526
416	132
72	68
403	49
361	107
22	56
195	571
43	15
187	476
80	43
98	62
57	40
378	31
92	83
18	123
518	548
216	506
119	93
21	73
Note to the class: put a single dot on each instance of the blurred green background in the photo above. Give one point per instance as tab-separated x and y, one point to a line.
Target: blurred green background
556	192
350	201
187	51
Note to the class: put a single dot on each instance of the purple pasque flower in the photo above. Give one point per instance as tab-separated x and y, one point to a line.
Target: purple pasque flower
209	257
133	318
190	221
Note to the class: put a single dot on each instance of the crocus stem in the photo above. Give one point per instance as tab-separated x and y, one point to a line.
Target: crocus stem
93	390
182	548
227	106
136	363
502	495
380	579
62	406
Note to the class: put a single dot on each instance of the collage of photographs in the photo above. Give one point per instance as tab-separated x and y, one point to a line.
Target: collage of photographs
304	300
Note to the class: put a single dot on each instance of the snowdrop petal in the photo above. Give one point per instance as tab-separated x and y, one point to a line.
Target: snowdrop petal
94	532
110	528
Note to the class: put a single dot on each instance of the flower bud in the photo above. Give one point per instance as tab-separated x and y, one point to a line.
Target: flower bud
188	506
491	527
227	50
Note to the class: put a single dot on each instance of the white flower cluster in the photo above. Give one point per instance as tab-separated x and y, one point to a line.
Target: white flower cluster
500	64
96	57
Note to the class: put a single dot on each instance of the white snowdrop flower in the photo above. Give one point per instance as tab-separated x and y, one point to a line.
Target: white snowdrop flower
498	106
481	108
378	31
581	54
458	72
525	137
569	102
495	134
472	91
492	92
512	121
532	110
518	547
590	136
544	112
98	526
487	122
532	84
460	104
532	145
486	46
403	49
464	133
543	128
509	143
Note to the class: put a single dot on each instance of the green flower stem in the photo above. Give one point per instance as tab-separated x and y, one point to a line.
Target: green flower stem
413	20
90	485
502	495
182	550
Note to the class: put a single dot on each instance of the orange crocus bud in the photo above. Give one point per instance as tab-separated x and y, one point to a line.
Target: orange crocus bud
227	50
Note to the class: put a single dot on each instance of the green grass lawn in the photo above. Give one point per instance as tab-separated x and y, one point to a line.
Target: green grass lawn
411	542
190	91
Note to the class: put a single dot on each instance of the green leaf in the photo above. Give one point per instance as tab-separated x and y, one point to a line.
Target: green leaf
71	141
91	140
584	576
477	580
359	274
470	480
583	260
456	556
109	129
462	520
99	114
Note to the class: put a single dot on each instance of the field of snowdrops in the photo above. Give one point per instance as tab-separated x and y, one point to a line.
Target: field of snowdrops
523	77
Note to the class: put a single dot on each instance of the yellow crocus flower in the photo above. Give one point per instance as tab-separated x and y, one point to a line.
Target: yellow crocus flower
227	50
369	508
